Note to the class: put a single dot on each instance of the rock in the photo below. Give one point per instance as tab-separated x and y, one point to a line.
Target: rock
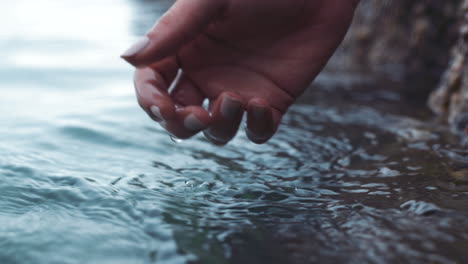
422	44
451	97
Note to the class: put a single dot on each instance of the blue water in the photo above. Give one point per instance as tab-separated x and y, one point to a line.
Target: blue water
86	177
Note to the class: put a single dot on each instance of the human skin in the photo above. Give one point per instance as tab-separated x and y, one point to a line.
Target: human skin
242	55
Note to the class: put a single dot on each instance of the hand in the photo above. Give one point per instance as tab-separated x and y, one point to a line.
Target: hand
243	55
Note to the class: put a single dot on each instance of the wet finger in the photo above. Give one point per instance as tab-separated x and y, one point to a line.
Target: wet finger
227	112
152	95
185	92
262	121
188	122
167	68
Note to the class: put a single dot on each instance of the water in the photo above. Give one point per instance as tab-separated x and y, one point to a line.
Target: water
86	177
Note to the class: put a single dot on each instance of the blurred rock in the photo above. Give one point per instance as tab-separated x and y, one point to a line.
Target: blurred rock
451	97
422	44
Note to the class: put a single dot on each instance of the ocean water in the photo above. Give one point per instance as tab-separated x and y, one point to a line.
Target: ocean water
353	176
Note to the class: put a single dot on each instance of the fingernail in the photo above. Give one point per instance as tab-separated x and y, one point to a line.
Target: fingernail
259	112
230	108
214	139
136	48
191	122
259	122
256	138
156	112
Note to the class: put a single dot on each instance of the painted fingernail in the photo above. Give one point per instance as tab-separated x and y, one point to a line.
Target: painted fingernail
259	112
136	48
230	108
156	112
256	138
259	124
191	122
214	139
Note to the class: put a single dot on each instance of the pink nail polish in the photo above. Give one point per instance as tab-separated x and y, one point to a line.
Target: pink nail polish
136	48
191	122
214	139
230	108
259	112
258	139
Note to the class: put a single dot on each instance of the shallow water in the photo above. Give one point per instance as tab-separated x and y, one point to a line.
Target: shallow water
86	177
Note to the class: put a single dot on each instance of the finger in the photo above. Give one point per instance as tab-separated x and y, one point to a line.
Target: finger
262	121
182	23
151	90
227	113
168	69
188	122
185	92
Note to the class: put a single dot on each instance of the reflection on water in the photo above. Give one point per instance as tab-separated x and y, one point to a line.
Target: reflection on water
87	178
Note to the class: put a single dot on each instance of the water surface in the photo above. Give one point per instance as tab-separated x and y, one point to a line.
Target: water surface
354	176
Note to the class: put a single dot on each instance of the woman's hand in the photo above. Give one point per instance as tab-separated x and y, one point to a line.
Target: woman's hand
243	55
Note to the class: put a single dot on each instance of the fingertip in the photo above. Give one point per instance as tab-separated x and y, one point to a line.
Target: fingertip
152	96
188	121
227	111
230	105
193	123
195	118
130	55
163	109
158	107
215	140
262	121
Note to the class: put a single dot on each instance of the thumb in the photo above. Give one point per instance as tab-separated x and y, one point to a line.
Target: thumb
179	25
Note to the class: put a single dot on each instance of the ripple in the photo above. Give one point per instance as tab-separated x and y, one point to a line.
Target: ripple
87	178
93	136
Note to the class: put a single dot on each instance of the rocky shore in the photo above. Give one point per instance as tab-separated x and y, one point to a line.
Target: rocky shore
423	44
